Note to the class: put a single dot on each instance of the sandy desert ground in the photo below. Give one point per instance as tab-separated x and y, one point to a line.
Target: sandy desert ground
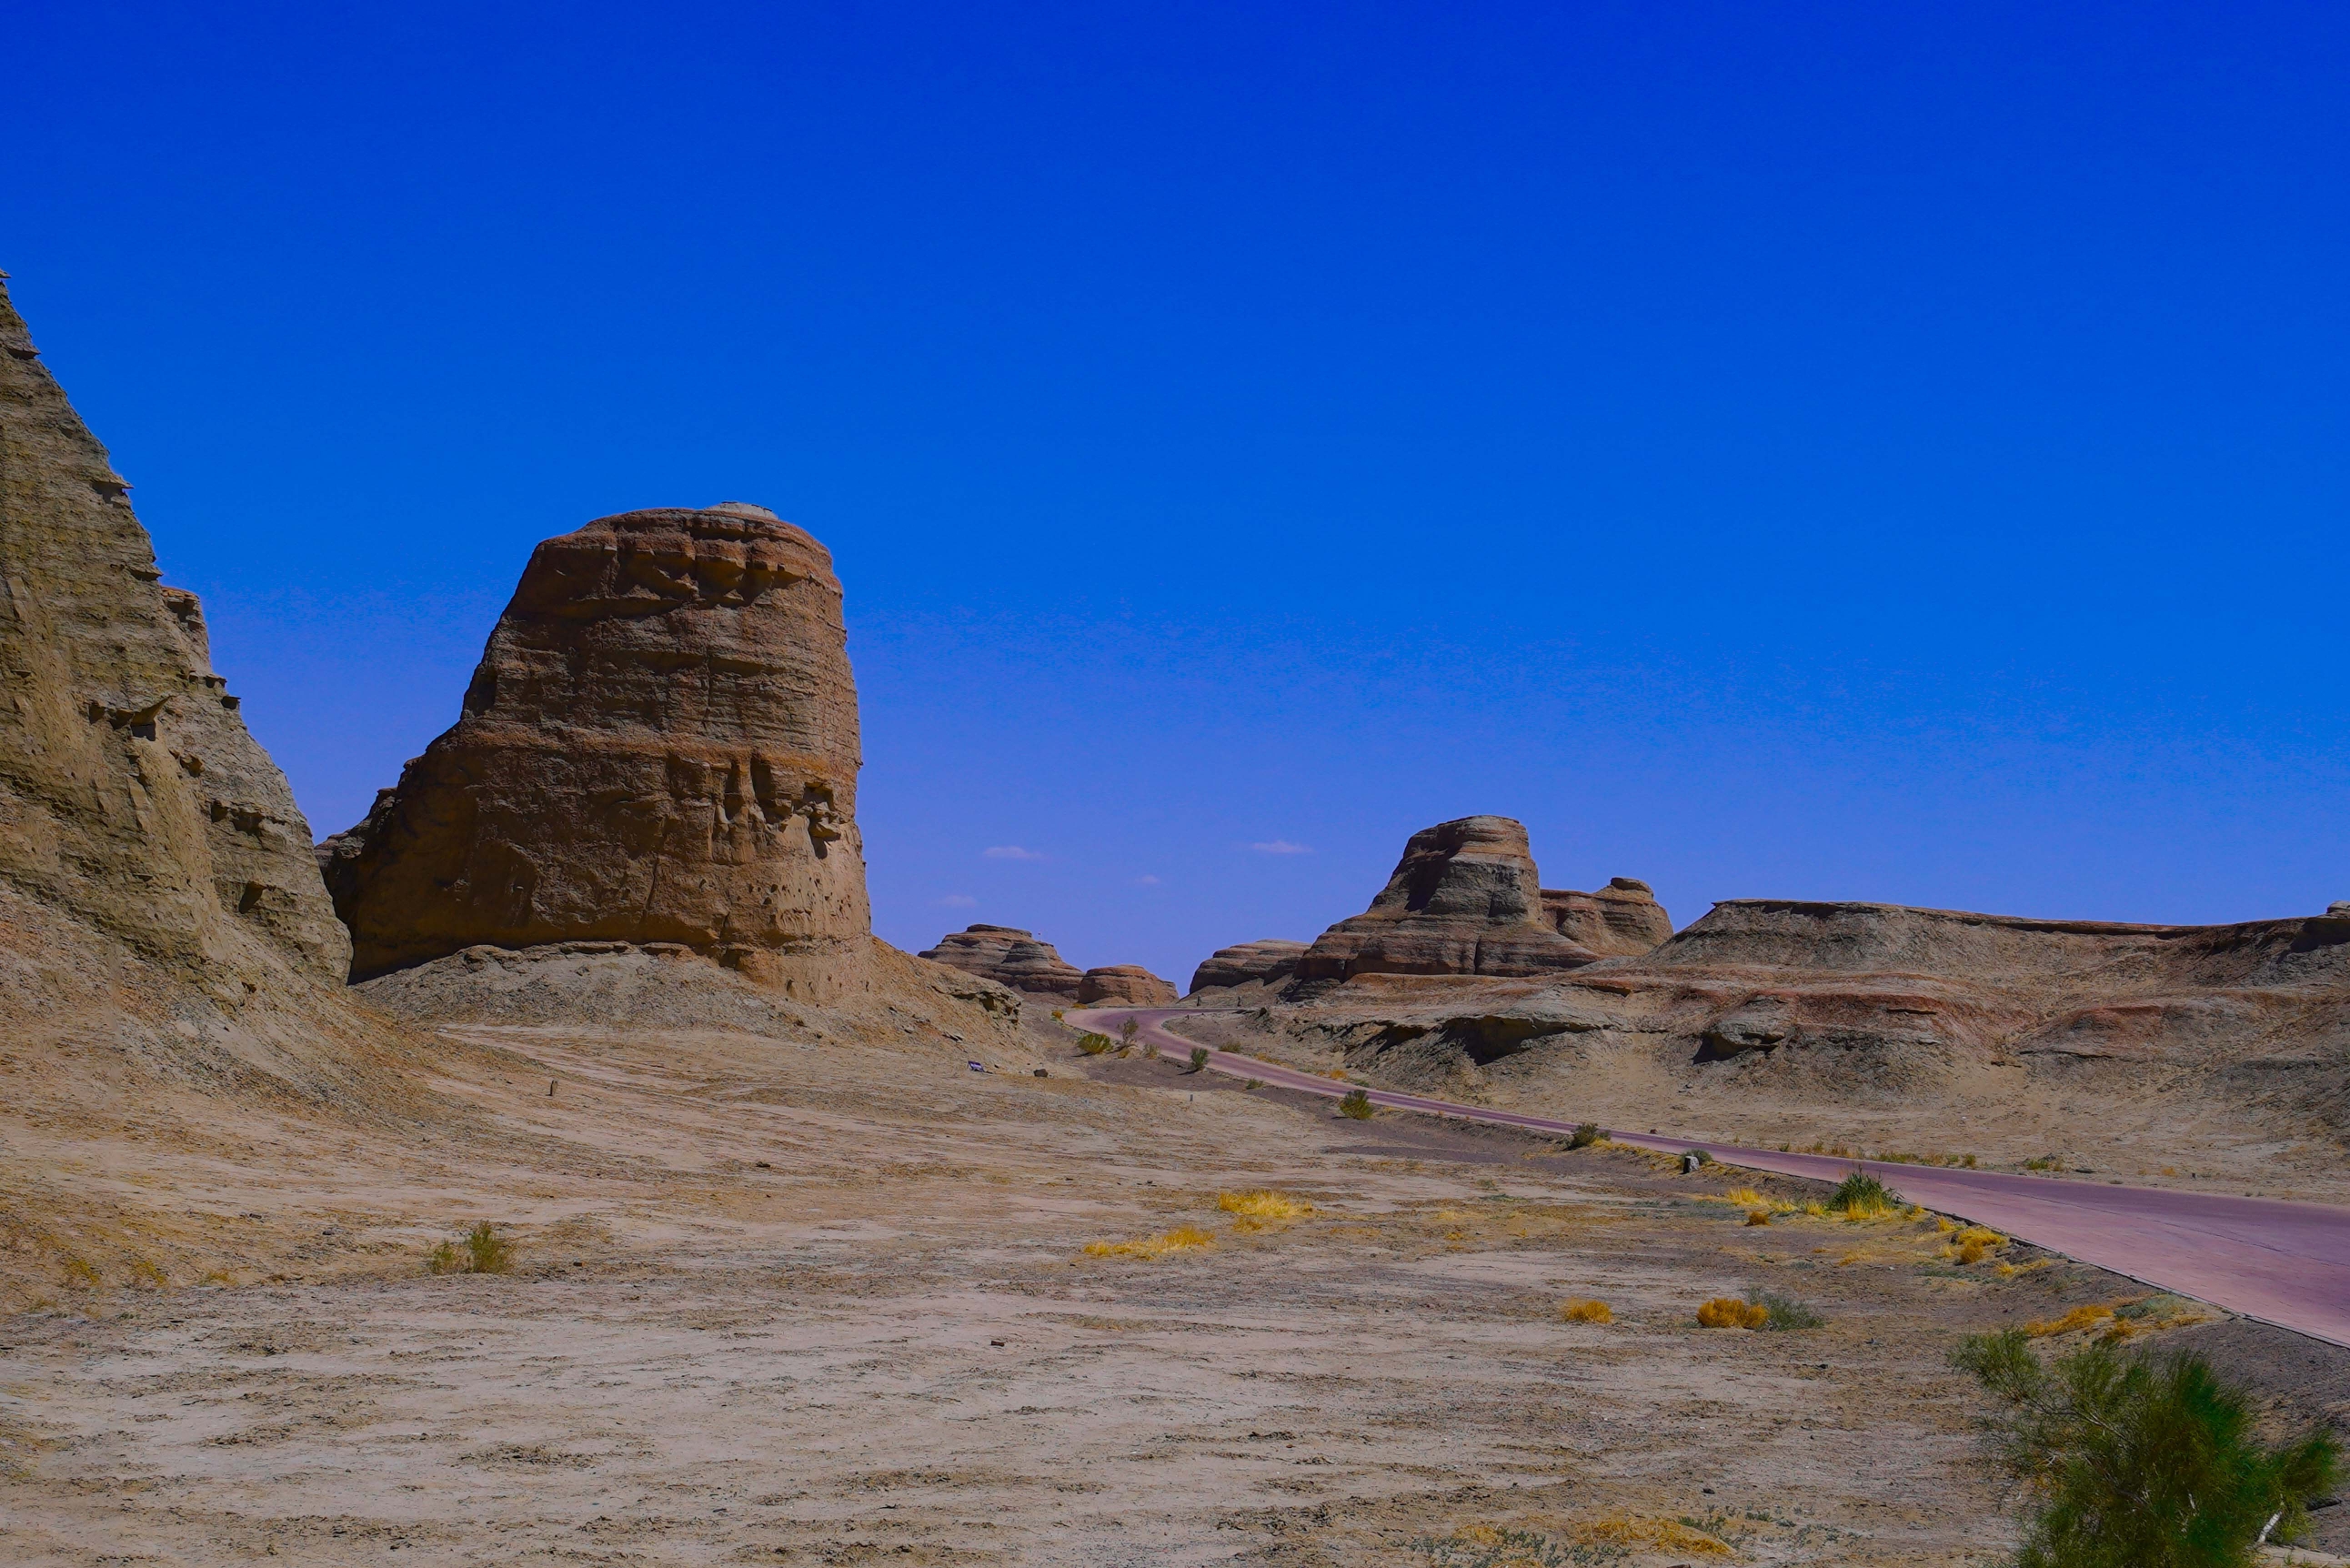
792	1301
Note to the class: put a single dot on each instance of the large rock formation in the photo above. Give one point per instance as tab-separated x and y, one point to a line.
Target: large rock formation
1127	983
660	745
1012	956
1465	899
1267	962
132	796
1622	919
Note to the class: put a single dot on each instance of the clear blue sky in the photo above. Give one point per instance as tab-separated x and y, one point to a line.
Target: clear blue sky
1888	451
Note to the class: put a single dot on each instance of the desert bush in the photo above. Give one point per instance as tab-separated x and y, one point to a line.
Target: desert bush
1701	1156
1782	1313
1585	1134
1093	1044
443	1260
1588	1310
1262	1205
1758	1216
1182	1239
1861	1196
1357	1104
1729	1312
1975	1243
1199	1059
2136	1461
1128	1029
480	1251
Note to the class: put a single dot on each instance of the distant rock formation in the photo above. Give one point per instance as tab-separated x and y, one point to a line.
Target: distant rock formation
660	745
1622	919
1129	984
1465	899
132	796
1012	956
1267	962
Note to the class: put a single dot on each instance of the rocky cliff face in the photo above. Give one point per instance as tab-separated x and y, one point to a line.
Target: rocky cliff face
1264	963
1622	919
1465	899
131	795
660	745
1012	956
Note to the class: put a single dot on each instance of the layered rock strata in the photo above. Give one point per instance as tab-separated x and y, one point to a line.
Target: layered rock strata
1127	983
1012	956
1267	962
659	745
131	795
1465	899
1622	919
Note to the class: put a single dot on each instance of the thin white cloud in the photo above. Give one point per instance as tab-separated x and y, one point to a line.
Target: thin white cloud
1010	852
1281	847
958	901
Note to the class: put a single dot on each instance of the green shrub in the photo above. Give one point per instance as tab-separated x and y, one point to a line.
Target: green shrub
443	1260
1861	1193
2140	1461
1585	1134
1357	1104
486	1251
1199	1059
1786	1312
1093	1044
1701	1156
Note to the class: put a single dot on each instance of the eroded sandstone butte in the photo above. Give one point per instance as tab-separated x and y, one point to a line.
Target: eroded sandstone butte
1622	919
1465	899
1266	962
1009	956
132	799
659	745
1130	984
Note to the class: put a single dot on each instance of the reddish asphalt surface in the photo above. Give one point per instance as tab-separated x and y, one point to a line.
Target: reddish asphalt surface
2285	1264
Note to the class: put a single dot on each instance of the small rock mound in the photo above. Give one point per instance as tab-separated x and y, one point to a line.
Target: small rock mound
1622	919
1126	983
1465	899
1268	962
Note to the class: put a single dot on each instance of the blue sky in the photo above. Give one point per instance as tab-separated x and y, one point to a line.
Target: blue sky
1872	452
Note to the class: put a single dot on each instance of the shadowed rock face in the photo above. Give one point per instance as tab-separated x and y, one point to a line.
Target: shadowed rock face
1126	983
132	796
660	745
1012	956
1266	962
1622	919
1464	900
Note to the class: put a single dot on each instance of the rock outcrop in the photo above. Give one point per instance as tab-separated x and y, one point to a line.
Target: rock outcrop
1127	983
1622	919
1465	899
1012	956
1267	962
132	796
659	745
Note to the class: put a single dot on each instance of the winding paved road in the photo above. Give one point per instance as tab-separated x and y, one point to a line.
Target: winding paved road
2285	1264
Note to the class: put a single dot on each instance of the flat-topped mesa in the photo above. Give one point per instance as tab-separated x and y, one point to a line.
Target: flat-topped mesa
1465	899
1266	962
659	745
1130	983
132	799
1009	956
1622	919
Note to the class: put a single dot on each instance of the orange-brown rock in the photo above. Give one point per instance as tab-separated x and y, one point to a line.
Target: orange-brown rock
132	798
1465	899
1622	919
660	745
1130	983
1012	956
1266	963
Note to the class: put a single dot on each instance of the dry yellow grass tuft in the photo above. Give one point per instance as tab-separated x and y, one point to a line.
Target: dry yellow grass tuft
2079	1318
1975	1243
1587	1311
1182	1239
1758	1216
1729	1312
1634	1533
1262	1205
